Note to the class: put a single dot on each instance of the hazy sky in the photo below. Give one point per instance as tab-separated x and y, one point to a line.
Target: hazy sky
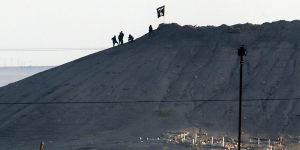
92	23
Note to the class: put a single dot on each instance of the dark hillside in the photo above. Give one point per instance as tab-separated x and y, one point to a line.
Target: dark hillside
177	63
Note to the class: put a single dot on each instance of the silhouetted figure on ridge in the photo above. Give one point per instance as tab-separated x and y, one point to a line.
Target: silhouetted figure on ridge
130	38
121	35
150	31
114	40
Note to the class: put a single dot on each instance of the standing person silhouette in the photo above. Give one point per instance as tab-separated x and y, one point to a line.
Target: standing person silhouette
114	40
121	35
150	31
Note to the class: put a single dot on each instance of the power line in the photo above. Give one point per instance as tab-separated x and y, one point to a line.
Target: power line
50	49
144	101
270	99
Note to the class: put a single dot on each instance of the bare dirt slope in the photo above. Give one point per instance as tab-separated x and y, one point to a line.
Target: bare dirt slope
177	63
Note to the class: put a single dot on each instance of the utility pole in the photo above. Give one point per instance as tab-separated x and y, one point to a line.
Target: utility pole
42	145
241	52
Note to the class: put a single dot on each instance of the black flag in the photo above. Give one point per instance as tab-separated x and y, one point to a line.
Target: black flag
160	11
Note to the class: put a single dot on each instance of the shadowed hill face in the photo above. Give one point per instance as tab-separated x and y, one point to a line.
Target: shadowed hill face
177	63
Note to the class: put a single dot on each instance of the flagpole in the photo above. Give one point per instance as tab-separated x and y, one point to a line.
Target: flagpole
165	15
